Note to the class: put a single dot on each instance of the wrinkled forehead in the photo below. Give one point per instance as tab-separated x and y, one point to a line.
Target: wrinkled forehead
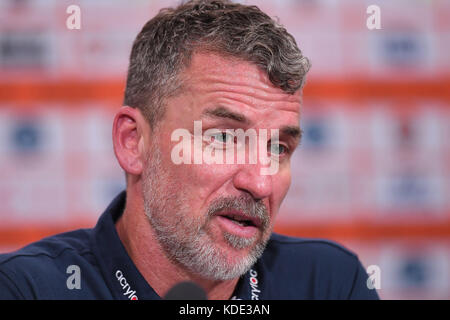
209	71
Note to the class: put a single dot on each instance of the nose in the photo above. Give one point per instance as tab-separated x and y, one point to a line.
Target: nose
249	178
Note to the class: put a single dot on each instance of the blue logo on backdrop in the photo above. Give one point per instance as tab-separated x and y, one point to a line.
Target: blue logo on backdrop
315	134
400	49
26	137
414	273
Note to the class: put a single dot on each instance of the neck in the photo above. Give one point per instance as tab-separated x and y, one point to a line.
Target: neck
145	251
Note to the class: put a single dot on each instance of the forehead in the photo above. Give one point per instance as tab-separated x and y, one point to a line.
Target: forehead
210	74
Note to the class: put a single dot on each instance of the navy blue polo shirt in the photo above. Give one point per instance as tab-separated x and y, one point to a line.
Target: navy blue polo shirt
93	264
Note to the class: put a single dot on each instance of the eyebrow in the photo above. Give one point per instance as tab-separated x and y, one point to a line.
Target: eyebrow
222	112
292	131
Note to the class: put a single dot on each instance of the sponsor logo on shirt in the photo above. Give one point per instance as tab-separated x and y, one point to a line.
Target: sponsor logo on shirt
254	284
131	294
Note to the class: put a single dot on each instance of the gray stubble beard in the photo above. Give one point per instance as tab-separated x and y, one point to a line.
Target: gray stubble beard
185	241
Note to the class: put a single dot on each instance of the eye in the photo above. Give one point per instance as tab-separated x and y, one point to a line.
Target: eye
278	149
222	137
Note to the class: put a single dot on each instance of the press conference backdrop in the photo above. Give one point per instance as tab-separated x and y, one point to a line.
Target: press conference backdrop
373	170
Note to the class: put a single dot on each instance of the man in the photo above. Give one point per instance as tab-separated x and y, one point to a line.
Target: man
231	69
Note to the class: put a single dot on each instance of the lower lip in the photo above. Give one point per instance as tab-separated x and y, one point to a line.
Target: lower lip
233	228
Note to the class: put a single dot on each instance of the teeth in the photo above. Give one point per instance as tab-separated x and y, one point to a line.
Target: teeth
235	219
241	223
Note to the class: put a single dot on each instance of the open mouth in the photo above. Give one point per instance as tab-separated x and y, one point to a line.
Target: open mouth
240	220
239	223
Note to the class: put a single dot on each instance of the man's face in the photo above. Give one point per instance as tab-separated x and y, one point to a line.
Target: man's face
215	219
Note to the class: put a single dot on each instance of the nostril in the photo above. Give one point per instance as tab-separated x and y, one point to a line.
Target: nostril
250	181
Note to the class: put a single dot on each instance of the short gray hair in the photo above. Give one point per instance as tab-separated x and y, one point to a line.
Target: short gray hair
166	43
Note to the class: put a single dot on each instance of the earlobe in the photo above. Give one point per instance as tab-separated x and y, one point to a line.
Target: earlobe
127	137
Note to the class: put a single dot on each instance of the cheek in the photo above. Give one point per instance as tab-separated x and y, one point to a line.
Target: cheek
199	181
281	184
207	179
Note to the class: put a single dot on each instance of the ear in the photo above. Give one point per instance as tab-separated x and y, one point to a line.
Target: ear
129	130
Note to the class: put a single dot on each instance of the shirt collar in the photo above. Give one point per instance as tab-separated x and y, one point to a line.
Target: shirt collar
121	275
